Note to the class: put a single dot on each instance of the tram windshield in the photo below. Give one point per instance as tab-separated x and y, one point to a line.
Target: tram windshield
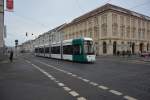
88	47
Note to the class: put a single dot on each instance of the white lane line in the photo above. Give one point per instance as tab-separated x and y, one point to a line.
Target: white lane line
129	98
66	88
93	83
115	92
103	87
52	78
85	80
74	75
81	98
61	84
74	93
56	81
27	61
69	73
80	78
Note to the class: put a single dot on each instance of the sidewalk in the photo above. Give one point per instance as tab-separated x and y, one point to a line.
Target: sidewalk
3	58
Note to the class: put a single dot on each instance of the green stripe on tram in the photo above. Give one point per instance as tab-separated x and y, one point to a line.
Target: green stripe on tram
81	57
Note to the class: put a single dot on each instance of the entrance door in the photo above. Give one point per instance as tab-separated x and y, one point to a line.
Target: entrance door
114	47
147	46
104	48
141	47
133	48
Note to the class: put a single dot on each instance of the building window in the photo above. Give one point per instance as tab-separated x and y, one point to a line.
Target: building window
139	33
104	25
122	31
115	29
121	20
139	23
148	34
95	21
128	21
143	33
128	31
104	29
122	26
114	25
114	18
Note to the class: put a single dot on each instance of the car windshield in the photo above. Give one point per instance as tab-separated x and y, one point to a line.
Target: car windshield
88	47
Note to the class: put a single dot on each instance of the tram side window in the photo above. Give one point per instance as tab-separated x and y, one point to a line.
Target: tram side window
68	49
55	50
47	50
36	50
76	50
41	50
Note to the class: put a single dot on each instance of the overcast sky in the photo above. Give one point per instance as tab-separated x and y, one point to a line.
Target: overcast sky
39	16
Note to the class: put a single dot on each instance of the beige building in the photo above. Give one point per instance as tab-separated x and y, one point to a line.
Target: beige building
113	29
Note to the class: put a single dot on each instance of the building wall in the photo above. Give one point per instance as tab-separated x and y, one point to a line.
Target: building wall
1	27
111	26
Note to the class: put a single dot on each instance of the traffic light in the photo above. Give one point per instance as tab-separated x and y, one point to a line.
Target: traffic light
16	43
26	34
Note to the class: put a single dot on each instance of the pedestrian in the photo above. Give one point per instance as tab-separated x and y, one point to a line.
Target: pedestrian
11	56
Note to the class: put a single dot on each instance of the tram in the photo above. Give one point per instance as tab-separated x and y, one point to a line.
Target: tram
78	50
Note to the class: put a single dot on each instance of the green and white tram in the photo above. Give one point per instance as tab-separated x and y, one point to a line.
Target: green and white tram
78	50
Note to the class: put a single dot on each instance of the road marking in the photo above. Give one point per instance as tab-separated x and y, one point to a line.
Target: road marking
103	87
85	80
56	81
73	93
52	78
129	98
69	73
49	76
74	75
66	88
61	84
115	92
81	98
93	83
80	78
28	61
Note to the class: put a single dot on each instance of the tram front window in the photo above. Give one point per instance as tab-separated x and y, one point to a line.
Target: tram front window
88	47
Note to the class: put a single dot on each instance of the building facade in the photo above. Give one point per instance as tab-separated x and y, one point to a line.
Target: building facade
1	26
113	29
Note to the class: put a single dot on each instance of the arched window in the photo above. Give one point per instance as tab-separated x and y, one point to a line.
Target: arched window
141	47
148	48
133	48
104	48
114	47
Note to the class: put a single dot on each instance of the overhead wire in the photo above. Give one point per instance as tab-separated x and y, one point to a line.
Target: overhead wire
140	5
30	19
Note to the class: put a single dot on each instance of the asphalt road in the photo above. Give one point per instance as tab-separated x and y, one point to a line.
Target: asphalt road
109	78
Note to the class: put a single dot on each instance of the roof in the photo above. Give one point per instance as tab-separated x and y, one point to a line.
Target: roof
108	7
